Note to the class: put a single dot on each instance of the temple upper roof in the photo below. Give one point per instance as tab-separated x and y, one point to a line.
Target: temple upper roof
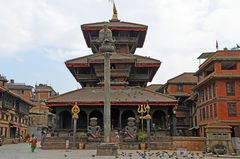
126	33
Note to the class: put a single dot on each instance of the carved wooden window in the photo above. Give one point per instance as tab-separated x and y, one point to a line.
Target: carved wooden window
232	109
211	111
215	110
179	88
207	114
204	114
210	92
230	88
200	114
214	90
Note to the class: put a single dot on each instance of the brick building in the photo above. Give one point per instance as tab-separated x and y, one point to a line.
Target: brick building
43	92
14	113
218	90
40	115
21	89
181	88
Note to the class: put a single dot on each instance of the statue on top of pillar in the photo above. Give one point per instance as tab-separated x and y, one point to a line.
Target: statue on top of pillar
106	40
130	133
94	130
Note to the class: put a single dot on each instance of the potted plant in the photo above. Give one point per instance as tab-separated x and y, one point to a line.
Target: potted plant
219	149
81	135
141	137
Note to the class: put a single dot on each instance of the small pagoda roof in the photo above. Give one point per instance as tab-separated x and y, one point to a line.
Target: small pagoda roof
139	61
127	96
115	25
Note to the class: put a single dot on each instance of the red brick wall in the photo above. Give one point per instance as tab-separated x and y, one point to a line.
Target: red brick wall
190	143
187	88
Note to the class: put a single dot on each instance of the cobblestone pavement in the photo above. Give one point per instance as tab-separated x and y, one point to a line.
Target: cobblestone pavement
22	151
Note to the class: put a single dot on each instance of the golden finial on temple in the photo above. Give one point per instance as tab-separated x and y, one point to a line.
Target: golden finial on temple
114	16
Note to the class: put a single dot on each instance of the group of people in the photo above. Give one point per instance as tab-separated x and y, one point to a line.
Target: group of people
32	141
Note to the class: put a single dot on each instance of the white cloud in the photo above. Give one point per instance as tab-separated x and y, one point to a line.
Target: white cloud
179	30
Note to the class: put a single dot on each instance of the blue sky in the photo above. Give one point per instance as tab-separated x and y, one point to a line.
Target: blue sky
38	36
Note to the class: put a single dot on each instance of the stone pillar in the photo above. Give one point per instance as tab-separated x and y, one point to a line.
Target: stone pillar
174	123
120	119
148	133
74	132
107	102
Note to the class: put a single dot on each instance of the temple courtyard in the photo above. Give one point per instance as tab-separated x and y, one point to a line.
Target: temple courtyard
22	151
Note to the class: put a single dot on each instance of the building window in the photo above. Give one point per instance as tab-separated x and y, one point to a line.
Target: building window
230	88
203	113
215	110
207	115
232	109
229	65
214	90
207	94
179	88
211	111
210	92
200	114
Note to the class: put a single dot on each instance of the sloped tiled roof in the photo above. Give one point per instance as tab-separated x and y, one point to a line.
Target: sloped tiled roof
220	55
115	57
22	86
2	89
96	94
114	25
154	87
187	77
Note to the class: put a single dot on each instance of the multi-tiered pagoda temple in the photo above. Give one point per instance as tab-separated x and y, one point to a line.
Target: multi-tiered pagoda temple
130	74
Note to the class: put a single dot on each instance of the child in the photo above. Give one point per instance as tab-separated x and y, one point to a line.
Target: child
33	143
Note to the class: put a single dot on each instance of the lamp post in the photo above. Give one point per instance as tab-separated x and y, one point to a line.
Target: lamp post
75	111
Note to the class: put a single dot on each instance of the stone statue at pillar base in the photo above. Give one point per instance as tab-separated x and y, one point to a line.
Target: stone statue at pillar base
130	133
94	130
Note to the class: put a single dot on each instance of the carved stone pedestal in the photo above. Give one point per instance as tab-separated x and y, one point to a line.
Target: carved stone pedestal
107	149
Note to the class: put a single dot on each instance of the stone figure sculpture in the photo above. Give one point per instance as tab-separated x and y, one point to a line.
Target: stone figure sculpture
93	130
130	133
106	40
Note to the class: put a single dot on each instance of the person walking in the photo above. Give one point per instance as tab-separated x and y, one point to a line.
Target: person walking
33	143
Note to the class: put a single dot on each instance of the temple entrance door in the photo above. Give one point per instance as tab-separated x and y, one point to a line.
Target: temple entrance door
65	120
125	115
99	117
159	120
13	132
115	118
82	121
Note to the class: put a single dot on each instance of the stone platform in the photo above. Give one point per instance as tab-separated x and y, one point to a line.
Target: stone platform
107	149
92	145
129	145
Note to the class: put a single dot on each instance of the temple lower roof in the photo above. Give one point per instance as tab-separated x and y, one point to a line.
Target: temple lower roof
126	96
